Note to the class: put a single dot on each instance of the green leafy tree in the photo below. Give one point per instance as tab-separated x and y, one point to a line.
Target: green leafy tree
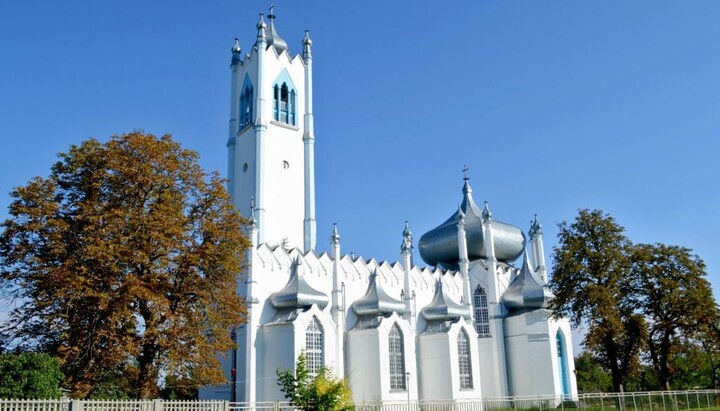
671	290
691	368
125	260
320	393
706	336
179	388
590	283
30	375
590	375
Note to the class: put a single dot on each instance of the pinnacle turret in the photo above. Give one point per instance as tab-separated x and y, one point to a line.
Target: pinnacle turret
335	237
236	51
407	239
307	44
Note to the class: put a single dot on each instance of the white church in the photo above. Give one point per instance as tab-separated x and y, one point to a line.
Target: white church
469	325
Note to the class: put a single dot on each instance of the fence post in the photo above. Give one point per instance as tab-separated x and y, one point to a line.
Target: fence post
76	405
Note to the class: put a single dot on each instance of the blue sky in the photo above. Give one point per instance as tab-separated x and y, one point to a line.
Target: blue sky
553	105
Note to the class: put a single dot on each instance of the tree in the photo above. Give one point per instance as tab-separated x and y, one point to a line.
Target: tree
125	261
671	291
320	393
591	376
29	375
590	283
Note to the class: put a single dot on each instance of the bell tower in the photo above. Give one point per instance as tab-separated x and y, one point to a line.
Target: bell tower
271	139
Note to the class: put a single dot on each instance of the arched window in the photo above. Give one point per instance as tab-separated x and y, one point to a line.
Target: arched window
562	364
314	346
284	104
482	319
397	358
246	105
464	361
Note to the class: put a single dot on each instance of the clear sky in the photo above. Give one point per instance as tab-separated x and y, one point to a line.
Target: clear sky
553	105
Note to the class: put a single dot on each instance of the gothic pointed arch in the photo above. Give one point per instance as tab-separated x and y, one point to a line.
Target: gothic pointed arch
464	360
563	372
314	352
396	353
482	316
246	103
284	99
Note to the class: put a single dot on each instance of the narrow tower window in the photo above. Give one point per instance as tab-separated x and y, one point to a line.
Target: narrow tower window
397	358
482	319
464	362
314	346
284	104
246	105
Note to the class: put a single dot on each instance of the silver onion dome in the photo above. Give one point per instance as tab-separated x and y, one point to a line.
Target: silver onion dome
440	245
527	291
376	302
442	308
297	293
273	38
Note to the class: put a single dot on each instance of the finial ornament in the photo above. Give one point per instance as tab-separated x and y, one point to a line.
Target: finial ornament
407	238
461	215
487	215
535	227
335	237
261	26
466	182
307	43
252	210
236	50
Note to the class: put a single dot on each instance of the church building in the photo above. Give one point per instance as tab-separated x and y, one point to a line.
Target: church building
471	324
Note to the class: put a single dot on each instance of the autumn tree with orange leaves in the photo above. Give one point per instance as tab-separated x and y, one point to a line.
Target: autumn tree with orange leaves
124	263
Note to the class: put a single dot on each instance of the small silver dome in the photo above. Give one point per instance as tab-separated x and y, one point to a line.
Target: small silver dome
527	291
442	308
376	302
297	293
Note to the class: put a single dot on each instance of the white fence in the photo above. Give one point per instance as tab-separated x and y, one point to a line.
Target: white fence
636	401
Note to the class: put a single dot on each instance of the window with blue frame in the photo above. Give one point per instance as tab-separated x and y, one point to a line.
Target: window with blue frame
562	363
246	104
246	111
284	104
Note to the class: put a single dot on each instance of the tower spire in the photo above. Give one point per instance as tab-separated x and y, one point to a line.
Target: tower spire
466	185
273	37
